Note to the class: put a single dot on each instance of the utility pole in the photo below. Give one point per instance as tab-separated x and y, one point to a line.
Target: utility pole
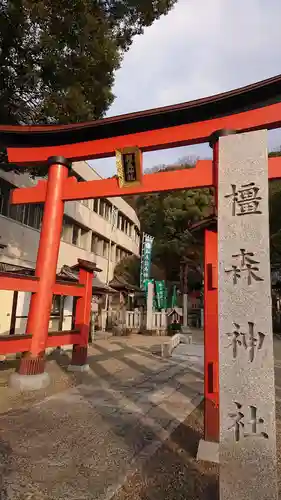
113	224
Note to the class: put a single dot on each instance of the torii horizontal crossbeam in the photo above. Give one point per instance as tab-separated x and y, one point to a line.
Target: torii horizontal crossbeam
253	107
197	177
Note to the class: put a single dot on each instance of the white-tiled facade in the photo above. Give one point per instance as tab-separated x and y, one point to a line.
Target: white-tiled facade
87	229
87	234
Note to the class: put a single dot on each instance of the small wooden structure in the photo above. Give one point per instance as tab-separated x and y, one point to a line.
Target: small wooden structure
175	315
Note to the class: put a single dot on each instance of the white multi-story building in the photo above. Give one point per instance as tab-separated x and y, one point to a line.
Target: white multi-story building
90	231
99	230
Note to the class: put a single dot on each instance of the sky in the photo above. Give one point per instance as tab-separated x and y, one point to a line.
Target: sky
201	48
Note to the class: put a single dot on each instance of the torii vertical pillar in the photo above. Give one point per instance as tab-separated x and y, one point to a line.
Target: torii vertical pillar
31	374
211	348
82	318
209	446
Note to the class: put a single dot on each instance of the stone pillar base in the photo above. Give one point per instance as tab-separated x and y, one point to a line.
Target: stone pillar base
78	368
208	451
29	382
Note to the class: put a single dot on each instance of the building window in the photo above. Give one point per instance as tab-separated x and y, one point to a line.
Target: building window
113	253
105	249
5	189
75	235
96	205
16	212
117	254
84	238
56	305
80	236
106	210
94	244
30	214
101	210
67	228
34	215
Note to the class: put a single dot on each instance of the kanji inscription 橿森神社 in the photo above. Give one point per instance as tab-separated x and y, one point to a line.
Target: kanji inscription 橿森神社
245	200
247	265
247	446
244	428
248	339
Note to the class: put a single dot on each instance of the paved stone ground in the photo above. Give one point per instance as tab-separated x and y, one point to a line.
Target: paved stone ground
81	437
127	430
173	473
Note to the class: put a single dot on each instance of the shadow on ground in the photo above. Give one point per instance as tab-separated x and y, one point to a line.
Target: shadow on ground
108	436
173	472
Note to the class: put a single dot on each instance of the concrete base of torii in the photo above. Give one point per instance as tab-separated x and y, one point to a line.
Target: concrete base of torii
78	368
208	451
29	382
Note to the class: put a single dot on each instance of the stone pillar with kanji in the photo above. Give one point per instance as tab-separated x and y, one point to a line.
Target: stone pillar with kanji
247	447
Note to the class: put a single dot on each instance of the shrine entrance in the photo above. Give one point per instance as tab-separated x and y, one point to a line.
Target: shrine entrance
237	324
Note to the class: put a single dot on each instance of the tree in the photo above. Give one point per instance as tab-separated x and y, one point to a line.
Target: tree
274	217
129	268
168	217
58	58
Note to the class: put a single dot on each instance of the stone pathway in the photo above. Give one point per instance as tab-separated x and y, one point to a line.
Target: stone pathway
81	440
173	473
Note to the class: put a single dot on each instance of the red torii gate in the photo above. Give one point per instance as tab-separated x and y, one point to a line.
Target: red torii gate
251	108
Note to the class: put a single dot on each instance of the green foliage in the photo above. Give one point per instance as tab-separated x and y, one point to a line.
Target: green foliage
274	216
275	221
168	217
129	268
58	58
273	154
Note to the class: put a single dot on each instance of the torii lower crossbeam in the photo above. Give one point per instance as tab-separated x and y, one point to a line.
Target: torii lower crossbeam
200	176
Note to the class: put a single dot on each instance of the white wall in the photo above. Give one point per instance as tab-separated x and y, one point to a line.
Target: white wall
22	241
86	217
23	245
82	168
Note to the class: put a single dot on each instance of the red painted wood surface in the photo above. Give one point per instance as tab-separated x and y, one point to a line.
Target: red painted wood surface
182	135
26	284
22	343
47	257
200	176
83	306
82	319
30	284
211	346
72	289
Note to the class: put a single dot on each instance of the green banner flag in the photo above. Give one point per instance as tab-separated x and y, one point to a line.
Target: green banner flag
174	297
161	294
147	242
